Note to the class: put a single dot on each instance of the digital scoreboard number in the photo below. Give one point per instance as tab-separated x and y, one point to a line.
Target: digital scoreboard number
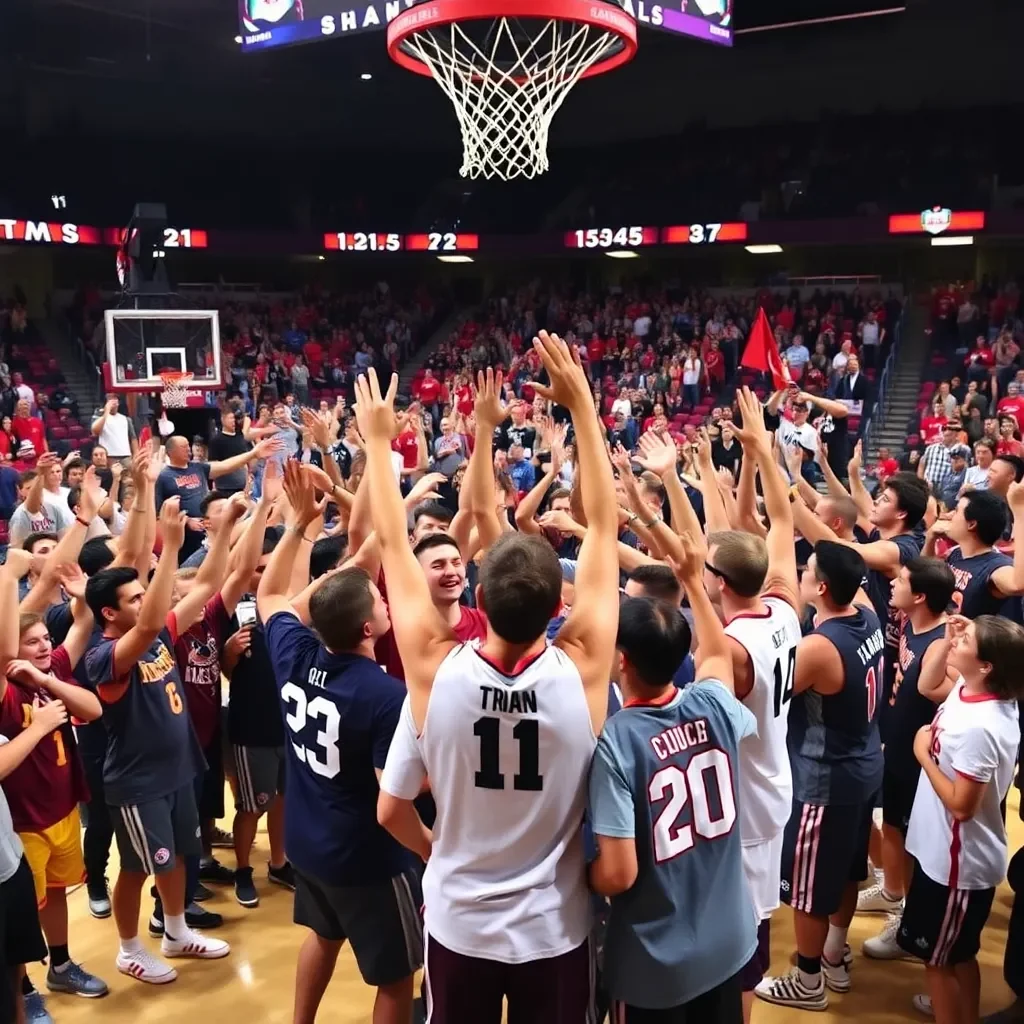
709	233
442	241
610	238
363	241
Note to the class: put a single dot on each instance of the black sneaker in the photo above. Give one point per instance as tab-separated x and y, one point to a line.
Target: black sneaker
195	917
202	894
283	876
245	890
213	871
221	840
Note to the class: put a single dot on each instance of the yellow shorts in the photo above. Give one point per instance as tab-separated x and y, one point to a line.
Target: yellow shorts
55	856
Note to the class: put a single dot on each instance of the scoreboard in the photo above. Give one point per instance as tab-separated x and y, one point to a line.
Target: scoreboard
392	241
704	234
609	238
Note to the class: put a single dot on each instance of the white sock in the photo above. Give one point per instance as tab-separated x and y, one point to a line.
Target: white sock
174	926
811	981
835	944
129	947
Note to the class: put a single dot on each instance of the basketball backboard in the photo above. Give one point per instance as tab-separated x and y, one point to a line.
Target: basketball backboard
143	342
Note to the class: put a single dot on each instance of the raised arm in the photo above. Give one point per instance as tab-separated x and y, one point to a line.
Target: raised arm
479	479
100	422
858	491
76	642
1009	580
424	639
828	405
17	564
262	450
526	511
588	636
715	515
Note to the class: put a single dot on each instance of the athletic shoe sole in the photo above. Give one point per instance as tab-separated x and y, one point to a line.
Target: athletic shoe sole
163	979
818	1006
290	886
195	953
75	991
100	915
249	902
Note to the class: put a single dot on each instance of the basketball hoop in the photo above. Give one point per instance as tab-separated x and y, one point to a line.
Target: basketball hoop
175	390
507	66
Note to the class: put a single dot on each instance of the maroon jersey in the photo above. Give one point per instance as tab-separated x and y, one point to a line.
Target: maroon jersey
46	787
197	653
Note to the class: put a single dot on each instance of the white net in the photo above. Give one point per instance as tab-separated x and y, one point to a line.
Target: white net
175	393
507	88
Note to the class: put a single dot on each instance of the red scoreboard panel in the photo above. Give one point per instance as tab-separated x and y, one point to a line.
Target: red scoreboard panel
174	238
13	230
936	221
704	234
442	241
363	241
610	238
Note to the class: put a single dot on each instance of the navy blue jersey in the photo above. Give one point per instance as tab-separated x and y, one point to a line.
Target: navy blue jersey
341	711
254	709
834	745
666	775
906	710
152	748
973	595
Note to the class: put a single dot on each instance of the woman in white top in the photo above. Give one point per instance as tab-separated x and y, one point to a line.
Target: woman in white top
693	371
622	404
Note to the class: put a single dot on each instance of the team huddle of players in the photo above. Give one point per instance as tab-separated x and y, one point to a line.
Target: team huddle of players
653	843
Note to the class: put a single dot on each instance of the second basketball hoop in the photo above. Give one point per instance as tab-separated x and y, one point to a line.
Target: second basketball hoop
507	66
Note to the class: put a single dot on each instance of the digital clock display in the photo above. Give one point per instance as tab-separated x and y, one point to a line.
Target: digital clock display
363	241
442	241
610	238
704	234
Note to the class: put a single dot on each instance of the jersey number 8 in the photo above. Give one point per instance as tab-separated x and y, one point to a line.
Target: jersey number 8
670	839
323	758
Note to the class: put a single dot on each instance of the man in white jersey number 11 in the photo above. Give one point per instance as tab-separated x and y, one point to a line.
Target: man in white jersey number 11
505	728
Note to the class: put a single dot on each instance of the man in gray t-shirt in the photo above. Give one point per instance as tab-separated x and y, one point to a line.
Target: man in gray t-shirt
449	450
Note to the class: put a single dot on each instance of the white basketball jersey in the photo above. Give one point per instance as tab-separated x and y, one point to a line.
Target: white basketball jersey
765	777
508	758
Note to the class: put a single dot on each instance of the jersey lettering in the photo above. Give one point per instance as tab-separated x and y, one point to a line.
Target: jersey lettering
321	757
784	681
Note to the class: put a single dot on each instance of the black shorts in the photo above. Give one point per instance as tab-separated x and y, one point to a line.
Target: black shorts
824	848
151	835
381	921
210	785
757	966
464	989
898	801
721	1005
21	938
259	777
943	926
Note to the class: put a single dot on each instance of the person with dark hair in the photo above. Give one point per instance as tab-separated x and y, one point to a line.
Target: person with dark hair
327	554
529	710
659	582
152	754
211	513
957	835
836	756
667	744
353	880
445	573
921	594
430	517
985	577
256	734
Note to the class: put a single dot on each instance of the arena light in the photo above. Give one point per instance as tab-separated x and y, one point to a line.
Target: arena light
622	254
238	39
763	250
456	259
366	76
954	240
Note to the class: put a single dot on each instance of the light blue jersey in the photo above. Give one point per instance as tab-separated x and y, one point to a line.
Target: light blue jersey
665	775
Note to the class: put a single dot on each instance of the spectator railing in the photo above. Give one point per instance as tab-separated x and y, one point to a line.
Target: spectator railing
883	383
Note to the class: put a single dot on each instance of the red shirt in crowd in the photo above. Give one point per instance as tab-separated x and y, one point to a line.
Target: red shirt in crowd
885	469
1008	446
430	390
464	400
197	653
595	350
931	428
1012	407
980	356
28	428
407	445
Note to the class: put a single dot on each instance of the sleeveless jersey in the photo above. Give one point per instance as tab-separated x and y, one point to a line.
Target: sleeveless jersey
666	775
508	757
973	597
834	743
765	778
907	710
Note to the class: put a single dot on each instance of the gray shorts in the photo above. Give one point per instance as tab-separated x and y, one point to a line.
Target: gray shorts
151	835
259	774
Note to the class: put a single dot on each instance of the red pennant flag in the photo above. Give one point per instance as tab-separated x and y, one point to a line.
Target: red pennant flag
762	353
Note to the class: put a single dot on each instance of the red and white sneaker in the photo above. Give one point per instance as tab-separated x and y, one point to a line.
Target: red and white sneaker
143	966
194	944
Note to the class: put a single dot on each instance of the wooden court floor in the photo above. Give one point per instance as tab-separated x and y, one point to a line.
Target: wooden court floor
254	984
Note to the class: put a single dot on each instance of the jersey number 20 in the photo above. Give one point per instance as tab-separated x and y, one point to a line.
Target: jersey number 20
323	758
527	732
670	839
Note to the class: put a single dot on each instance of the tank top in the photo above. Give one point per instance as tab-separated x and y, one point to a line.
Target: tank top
766	779
834	743
508	757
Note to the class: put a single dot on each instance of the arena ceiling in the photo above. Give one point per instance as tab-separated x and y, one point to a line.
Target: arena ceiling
172	69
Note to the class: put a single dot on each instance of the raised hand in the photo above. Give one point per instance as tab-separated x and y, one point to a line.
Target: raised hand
19	562
1015	497
688	563
427	484
855	464
172	523
702	451
272	482
557	519
301	493
621	461
318	426
237	506
753	433
321	481
91	495
72	579
569	384
140	468
268	447
26	673
657	454
116	469
558	454
157	462
375	413
488	407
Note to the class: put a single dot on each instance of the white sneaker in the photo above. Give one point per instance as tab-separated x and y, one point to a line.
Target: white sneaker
837	976
923	1004
194	944
790	990
875	900
884	945
143	966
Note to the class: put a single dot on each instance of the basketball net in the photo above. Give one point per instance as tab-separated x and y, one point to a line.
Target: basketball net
175	391
507	83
